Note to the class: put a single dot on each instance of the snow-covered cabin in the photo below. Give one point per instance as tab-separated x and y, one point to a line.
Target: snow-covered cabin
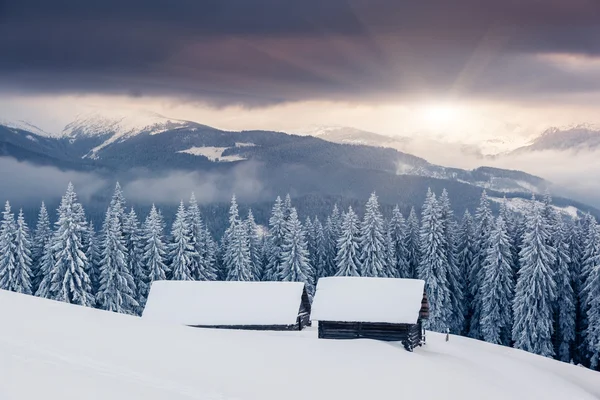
230	305
374	308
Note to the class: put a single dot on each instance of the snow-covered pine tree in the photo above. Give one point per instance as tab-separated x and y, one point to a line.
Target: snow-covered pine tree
592	332
7	248
347	259
590	260
564	313
210	271
181	250
466	239
19	279
309	228
92	252
320	250
117	291
236	254
203	267
287	207
498	287
254	244
135	249
117	203
390	270
46	265
69	280
433	267
413	241
41	237
484	222
154	248
296	266
398	234
536	289
275	241
575	243
455	279
333	231
433	264
372	240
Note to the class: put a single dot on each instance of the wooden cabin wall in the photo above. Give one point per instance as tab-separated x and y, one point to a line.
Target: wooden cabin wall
409	333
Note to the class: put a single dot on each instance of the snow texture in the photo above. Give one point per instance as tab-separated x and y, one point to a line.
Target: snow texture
62	351
359	299
224	303
214	154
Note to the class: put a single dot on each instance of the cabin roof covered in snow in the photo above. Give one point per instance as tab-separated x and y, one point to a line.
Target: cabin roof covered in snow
224	303
356	299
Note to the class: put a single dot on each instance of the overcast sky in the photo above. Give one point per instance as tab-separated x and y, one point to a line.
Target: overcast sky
461	68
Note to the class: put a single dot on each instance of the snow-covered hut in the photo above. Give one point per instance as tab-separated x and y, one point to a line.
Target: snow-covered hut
230	305
374	308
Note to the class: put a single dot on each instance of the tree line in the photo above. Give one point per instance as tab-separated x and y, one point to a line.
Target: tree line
527	279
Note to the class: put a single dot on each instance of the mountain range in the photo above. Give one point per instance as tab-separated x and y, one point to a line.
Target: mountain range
165	158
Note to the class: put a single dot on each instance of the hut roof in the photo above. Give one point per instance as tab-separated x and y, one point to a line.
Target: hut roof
357	299
224	303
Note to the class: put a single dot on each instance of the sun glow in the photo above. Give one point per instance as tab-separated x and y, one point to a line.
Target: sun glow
436	114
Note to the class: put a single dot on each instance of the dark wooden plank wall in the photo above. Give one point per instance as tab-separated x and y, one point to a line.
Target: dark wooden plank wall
409	334
294	327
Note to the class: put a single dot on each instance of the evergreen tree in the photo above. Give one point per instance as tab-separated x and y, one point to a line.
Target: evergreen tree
413	243
236	254
576	248
7	249
135	249
372	240
210	271
91	251
46	265
117	203
296	266
154	249
18	279
117	291
348	263
564	314
333	231
287	207
590	262
309	228
390	270
484	221
433	264
398	235
455	281
41	237
466	255
592	333
277	225
535	290
254	244
498	287
69	280
203	265
181	249
320	250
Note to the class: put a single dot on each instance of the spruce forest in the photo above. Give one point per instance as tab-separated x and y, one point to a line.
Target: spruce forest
530	280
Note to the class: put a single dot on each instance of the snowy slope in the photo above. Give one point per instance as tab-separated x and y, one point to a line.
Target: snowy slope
23	125
53	350
118	126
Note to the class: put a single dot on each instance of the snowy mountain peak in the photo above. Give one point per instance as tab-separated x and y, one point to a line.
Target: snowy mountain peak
120	124
25	126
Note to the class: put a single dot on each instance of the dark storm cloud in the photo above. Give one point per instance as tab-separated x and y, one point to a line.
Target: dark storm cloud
266	51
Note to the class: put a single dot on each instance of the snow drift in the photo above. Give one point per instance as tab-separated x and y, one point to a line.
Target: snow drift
51	350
